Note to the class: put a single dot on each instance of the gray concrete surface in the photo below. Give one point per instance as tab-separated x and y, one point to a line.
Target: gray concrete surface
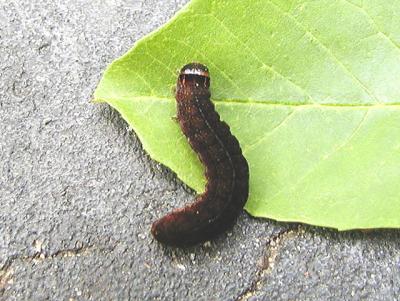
78	194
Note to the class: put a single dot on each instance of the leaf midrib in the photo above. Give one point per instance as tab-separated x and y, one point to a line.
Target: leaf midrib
258	102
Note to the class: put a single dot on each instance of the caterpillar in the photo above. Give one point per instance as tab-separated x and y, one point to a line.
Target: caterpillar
226	169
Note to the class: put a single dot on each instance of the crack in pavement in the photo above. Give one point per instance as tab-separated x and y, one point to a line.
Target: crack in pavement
5	278
7	271
267	262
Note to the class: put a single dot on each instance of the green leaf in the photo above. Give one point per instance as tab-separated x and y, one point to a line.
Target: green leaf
310	88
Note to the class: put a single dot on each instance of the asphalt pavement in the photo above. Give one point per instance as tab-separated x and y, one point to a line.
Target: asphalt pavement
78	194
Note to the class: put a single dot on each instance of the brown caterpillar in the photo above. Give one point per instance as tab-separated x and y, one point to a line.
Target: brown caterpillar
226	169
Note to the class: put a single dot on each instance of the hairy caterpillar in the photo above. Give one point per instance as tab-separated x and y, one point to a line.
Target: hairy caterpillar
226	169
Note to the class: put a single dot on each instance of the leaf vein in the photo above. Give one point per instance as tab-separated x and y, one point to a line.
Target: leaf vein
327	157
232	82
283	122
261	102
290	81
326	49
372	20
161	63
